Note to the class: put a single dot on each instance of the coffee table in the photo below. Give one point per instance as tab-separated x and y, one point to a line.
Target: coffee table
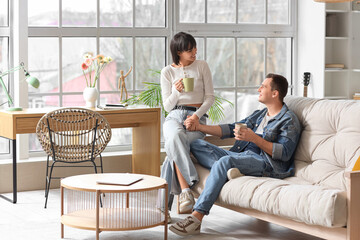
85	204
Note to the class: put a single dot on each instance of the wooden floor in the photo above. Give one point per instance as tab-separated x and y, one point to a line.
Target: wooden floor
29	220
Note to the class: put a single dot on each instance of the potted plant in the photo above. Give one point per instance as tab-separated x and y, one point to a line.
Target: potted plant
92	67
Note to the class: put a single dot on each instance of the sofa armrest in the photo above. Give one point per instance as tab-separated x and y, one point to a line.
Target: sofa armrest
353	200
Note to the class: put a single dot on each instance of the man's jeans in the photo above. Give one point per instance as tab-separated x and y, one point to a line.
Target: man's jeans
220	161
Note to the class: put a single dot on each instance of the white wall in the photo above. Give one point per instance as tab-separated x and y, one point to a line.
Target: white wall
310	47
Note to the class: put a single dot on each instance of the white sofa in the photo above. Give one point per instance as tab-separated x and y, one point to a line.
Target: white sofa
323	198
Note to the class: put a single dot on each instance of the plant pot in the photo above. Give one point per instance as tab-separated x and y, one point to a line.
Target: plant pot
90	96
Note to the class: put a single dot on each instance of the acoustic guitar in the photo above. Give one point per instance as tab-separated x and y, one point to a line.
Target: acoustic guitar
306	82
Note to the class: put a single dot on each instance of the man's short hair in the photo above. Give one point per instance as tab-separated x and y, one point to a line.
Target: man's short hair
179	43
278	83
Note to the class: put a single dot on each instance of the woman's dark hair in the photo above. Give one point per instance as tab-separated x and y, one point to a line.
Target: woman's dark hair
278	83
179	43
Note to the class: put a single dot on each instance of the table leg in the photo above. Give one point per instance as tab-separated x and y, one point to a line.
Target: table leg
146	148
166	213
14	200
62	210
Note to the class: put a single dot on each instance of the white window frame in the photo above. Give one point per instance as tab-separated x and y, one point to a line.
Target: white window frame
20	33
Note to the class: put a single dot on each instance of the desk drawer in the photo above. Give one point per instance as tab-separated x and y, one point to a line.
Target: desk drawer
26	125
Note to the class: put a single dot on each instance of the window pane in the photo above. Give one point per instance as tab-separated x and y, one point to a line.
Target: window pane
278	11
73	100
247	103
150	55
4	65
229	112
121	136
200	48
115	13
221	11
43	12
250	61
72	58
43	101
251	11
220	57
192	11
4	13
150	13
121	51
44	63
80	13
279	56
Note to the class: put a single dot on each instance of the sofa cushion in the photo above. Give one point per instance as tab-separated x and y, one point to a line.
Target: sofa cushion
330	140
294	198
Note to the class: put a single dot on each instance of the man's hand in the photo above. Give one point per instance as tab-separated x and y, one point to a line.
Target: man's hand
245	134
192	122
179	85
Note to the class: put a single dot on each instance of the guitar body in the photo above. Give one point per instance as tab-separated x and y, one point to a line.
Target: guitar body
306	82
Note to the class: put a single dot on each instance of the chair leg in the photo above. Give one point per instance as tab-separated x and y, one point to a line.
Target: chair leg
101	164
48	185
47	175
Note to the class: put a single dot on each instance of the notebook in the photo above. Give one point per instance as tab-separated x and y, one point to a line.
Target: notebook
122	180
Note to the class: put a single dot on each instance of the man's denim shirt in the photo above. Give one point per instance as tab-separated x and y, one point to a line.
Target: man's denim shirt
283	131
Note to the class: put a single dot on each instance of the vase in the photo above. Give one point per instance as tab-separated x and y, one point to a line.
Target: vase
90	96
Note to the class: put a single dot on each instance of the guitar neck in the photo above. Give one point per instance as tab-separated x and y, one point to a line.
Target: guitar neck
305	91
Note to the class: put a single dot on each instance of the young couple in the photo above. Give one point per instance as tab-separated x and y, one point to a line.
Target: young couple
264	148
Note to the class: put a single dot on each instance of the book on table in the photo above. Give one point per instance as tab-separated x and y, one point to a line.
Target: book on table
109	106
121	179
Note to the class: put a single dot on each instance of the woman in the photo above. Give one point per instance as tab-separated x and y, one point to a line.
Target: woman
183	107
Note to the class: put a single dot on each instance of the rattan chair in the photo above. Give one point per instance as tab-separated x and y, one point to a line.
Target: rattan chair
72	135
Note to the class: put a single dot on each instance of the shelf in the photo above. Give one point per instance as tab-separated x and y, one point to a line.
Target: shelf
335	70
336	11
336	38
336	97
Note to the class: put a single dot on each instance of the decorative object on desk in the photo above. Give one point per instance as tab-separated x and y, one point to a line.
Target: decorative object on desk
151	97
93	66
90	95
33	81
306	82
122	85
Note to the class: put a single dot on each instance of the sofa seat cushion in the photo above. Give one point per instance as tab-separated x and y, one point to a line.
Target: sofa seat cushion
293	198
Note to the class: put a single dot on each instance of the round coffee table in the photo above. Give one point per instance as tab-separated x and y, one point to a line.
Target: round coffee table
86	204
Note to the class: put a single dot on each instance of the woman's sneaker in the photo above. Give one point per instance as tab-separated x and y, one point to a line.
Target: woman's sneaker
233	173
189	226
186	202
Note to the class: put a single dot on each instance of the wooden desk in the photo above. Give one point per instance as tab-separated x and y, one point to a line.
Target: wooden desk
145	140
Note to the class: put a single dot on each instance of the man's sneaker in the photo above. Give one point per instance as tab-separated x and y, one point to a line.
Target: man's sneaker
233	173
186	202
188	226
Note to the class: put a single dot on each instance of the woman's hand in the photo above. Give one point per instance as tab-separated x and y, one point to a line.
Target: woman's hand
192	122
179	85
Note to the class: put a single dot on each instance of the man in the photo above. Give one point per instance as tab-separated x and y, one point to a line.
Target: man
264	148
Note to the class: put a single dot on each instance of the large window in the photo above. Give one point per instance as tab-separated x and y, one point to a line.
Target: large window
241	40
4	64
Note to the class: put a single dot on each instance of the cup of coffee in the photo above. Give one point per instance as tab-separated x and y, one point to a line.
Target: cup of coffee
238	126
188	84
